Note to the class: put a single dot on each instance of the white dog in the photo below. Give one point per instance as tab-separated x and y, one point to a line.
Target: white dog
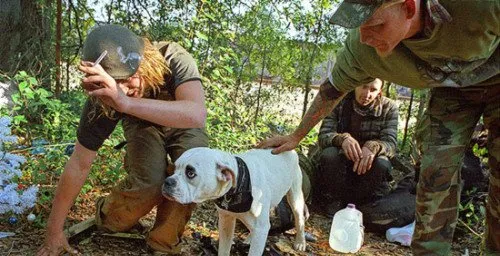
247	194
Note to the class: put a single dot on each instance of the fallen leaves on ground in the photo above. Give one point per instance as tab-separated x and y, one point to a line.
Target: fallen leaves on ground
200	237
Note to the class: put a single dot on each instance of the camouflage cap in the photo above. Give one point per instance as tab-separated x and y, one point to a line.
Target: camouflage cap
352	13
125	50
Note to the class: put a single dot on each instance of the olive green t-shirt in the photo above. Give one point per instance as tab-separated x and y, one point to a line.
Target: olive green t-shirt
92	132
461	52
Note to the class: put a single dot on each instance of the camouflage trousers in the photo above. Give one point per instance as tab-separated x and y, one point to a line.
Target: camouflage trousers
443	134
146	163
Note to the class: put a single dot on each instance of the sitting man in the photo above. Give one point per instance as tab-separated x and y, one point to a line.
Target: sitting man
356	140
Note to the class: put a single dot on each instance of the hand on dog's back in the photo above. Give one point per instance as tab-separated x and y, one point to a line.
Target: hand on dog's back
280	143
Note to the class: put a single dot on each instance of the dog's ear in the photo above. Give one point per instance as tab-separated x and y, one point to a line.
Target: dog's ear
226	174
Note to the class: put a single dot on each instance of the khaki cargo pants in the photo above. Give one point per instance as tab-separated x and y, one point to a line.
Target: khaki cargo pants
444	134
148	148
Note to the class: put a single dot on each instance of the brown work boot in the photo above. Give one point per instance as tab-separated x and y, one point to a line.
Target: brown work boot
155	250
99	216
138	228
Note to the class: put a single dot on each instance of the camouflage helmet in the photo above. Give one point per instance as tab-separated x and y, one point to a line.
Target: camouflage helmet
352	13
125	50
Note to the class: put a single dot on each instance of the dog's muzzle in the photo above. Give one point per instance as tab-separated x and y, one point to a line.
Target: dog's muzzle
168	188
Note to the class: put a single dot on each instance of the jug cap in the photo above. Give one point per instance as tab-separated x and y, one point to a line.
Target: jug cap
353	206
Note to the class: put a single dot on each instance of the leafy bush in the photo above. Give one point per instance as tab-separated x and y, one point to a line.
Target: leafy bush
38	114
232	127
229	126
46	127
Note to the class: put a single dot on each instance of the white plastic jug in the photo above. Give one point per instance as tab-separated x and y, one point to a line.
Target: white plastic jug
347	231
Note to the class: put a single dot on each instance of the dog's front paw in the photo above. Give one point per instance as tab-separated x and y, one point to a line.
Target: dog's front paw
300	244
248	240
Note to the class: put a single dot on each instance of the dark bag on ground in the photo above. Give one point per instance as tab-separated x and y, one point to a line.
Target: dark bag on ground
397	209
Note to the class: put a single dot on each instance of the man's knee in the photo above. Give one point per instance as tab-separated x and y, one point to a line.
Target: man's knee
382	164
330	156
181	140
171	219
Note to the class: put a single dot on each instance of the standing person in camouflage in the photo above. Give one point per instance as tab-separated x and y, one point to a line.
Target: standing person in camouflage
441	44
356	140
157	93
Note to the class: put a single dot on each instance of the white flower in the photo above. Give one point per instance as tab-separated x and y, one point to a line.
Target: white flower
12	199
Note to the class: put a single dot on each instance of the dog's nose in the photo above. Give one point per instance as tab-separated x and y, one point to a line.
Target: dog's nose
170	182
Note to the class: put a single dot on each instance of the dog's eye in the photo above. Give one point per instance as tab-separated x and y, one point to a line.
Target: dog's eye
190	172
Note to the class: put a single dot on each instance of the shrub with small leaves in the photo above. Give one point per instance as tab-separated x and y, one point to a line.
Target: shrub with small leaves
13	197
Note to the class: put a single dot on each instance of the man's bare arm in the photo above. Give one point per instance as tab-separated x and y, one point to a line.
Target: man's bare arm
319	109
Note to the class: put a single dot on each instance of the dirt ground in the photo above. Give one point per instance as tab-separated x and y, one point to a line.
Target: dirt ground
200	237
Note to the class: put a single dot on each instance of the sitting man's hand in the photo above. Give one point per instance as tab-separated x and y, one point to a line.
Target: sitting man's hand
352	149
281	143
364	164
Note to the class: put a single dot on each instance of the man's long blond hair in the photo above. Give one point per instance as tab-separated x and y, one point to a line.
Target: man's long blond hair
152	71
153	68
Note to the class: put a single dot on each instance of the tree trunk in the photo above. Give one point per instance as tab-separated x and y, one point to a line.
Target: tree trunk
236	92
260	87
10	17
308	81
25	39
58	48
408	116
307	89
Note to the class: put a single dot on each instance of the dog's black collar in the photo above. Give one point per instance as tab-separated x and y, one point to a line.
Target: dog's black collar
238	199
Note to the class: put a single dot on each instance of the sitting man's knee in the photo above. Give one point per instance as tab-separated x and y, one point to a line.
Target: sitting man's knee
382	163
328	155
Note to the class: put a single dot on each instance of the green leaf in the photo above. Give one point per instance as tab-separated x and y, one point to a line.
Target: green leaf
19	119
15	98
210	16
187	42
228	69
23	85
44	93
32	81
216	73
29	93
201	36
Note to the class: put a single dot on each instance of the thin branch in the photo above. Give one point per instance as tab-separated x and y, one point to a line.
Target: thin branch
469	228
408	116
11	247
109	8
45	146
77	21
88	12
147	11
